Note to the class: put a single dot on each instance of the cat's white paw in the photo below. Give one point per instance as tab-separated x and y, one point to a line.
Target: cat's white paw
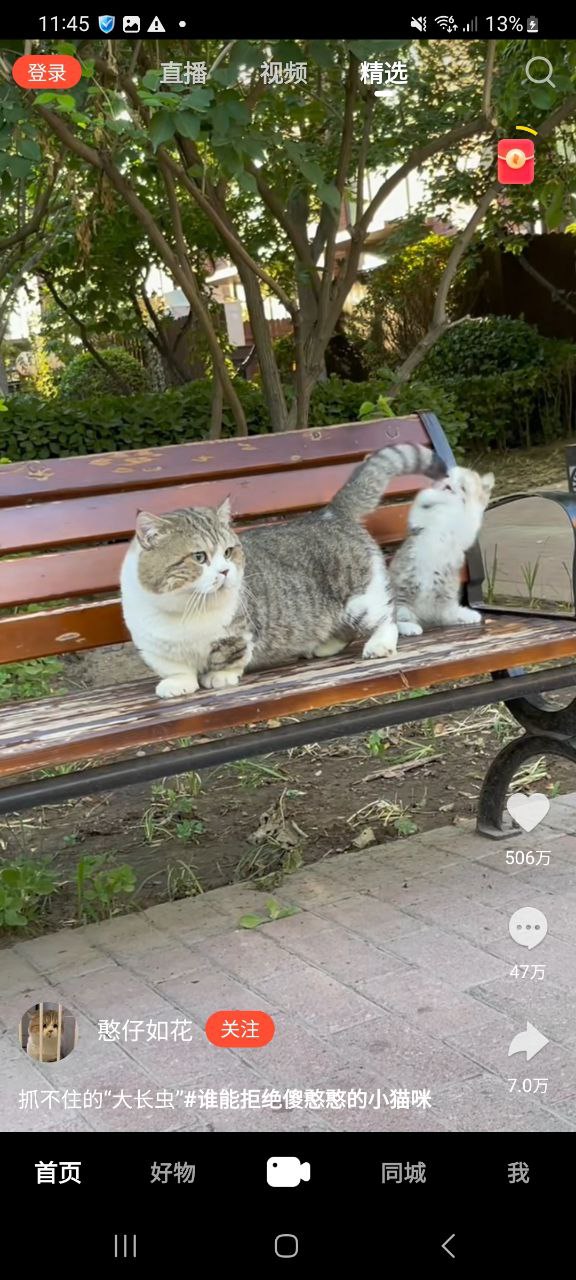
469	616
176	686
219	679
383	643
409	628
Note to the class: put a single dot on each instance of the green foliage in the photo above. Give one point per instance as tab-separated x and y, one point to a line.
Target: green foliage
24	890
417	396
85	377
485	345
274	912
397	307
513	386
100	885
36	678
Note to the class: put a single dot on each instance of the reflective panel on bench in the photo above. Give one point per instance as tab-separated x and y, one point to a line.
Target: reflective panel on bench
527	549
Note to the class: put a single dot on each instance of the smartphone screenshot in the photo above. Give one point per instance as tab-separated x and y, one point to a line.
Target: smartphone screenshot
288	636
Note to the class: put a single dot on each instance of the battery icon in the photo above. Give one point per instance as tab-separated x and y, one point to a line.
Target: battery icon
532	24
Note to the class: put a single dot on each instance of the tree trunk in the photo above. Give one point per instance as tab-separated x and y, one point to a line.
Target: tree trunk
271	382
216	411
4	392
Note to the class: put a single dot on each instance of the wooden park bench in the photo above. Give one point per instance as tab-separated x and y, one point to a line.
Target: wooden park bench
64	526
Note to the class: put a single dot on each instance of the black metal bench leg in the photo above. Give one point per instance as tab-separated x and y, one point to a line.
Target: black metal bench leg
492	799
537	714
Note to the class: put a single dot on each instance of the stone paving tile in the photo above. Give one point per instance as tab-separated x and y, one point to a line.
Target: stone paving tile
190	920
163	963
457	840
342	954
62	954
474	880
427	1003
216	990
475	921
420	858
568	1111
114	993
403	1057
542	1003
558	878
311	890
266	1120
371	918
562	847
361	877
249	955
560	912
318	999
124	933
197	1063
395	971
485	1103
16	1003
452	959
298	1058
562	817
16	974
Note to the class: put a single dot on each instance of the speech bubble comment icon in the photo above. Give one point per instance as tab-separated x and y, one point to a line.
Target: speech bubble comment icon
528	927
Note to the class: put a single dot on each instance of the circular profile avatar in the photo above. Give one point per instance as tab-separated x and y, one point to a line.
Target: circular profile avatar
48	1032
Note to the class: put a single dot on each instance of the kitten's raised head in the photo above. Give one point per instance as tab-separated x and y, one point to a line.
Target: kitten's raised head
49	1024
467	485
193	551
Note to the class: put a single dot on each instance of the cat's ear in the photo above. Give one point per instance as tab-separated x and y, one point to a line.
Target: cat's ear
488	482
150	529
224	511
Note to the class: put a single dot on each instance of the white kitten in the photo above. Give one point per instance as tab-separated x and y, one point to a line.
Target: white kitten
443	524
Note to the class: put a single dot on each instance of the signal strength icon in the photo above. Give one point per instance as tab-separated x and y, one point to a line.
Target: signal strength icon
471	26
447	23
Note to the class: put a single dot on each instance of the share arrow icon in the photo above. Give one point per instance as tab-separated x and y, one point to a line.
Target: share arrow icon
530	1042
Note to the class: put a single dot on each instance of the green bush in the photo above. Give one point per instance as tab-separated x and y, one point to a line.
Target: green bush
513	386
84	377
492	408
488	344
35	428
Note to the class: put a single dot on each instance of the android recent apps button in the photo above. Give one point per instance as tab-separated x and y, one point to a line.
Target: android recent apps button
233	1027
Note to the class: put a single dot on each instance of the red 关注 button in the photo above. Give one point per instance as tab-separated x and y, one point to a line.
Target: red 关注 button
229	1027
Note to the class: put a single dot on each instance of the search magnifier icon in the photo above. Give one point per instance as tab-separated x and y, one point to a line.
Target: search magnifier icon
546	79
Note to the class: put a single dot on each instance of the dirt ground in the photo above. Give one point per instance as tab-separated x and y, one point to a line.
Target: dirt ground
260	820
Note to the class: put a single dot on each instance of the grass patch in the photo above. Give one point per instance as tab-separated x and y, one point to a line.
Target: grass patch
37	678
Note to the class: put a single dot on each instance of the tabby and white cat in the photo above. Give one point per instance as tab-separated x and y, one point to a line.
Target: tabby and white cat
444	522
48	1035
202	605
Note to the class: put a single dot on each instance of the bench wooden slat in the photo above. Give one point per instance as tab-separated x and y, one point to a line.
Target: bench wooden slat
95	570
104	721
44	481
113	516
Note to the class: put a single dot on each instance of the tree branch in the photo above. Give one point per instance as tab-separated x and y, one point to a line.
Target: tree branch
115	377
440	322
227	234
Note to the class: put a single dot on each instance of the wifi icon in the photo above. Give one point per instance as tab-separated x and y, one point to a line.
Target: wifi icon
447	23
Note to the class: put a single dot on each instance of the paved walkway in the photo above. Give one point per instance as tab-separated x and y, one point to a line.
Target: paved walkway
394	974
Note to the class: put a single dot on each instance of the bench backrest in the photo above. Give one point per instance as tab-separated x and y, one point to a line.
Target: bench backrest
65	523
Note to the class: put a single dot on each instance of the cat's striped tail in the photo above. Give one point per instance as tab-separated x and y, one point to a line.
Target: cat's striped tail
362	492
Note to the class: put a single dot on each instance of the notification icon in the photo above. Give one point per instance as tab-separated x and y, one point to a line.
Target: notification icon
515	161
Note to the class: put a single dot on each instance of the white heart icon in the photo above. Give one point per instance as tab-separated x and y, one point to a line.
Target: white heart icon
528	811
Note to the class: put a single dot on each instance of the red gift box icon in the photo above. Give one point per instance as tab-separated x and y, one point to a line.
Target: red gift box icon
515	160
